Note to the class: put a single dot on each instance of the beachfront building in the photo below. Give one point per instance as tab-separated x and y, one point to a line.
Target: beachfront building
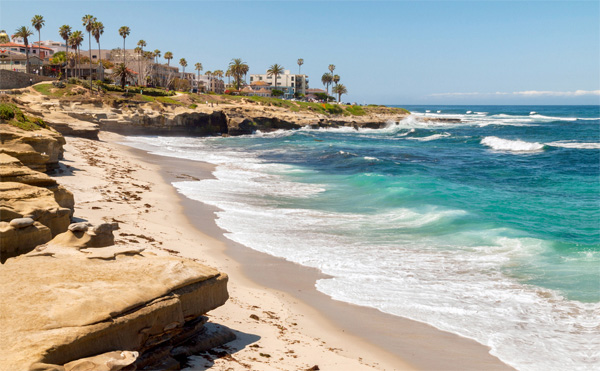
44	52
291	84
211	84
55	46
17	61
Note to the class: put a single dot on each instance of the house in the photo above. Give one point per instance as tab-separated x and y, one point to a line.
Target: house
290	84
211	83
17	61
18	45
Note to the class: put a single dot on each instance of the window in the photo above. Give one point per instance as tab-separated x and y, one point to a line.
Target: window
292	79
251	78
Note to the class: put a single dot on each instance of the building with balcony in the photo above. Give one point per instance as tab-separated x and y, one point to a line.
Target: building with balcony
290	84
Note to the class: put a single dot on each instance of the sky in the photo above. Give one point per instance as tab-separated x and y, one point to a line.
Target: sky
385	52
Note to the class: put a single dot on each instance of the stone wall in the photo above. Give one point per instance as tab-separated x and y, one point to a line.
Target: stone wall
18	80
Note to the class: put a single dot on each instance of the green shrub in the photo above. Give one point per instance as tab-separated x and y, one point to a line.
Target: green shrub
7	111
356	110
193	106
333	109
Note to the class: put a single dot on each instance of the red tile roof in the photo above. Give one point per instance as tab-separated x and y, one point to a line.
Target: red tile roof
7	45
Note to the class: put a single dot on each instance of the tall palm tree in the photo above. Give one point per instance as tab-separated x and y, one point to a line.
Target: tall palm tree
124	31
156	55
275	70
198	67
88	22
326	79
168	57
339	90
97	31
75	40
141	44
183	64
238	69
300	63
331	68
336	79
65	32
228	74
25	33
38	22
218	73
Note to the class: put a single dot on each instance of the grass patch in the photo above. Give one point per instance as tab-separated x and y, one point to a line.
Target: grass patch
356	110
12	115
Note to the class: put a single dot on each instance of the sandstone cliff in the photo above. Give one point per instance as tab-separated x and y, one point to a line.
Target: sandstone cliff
71	300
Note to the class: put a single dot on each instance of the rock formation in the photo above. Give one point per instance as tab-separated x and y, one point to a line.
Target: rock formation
70	300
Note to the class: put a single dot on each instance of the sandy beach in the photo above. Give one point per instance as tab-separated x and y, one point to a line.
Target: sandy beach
281	321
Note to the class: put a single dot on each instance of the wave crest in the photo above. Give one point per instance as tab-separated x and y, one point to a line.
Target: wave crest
500	144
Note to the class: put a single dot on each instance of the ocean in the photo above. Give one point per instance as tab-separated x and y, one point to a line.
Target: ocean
488	228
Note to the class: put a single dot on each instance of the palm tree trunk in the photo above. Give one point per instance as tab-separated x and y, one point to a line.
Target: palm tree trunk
90	48
27	55
100	64
67	64
39	51
123	51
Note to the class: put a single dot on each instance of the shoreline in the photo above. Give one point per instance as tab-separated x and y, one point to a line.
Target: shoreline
406	343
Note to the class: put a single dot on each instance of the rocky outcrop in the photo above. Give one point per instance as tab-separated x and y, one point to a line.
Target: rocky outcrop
39	150
18	200
12	170
76	302
70	299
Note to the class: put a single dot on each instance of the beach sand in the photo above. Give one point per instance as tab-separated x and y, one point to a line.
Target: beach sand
281	320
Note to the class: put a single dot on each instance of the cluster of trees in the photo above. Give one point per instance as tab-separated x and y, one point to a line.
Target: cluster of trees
328	78
74	39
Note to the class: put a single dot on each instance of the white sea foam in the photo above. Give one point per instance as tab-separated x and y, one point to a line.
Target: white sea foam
456	282
500	144
574	144
431	137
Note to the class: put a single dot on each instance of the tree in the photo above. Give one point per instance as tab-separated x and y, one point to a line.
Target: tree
326	79
331	68
124	31
336	79
75	41
25	33
275	70
238	69
300	63
156	55
218	73
65	32
141	44
58	58
339	90
198	67
97	31
121	72
38	22
168	57
276	92
183	64
88	22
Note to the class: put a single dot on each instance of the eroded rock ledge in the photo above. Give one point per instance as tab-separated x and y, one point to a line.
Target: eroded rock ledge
71	300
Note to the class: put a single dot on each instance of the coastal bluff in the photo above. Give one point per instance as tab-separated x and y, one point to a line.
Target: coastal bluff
73	298
83	115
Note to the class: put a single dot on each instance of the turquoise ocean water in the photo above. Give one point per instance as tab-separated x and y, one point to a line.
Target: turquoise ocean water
488	228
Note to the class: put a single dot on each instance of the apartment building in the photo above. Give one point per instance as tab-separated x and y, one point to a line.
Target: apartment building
287	82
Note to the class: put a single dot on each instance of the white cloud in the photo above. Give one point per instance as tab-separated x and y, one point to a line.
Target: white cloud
528	93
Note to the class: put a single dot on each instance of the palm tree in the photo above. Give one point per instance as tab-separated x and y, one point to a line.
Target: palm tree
25	32
88	22
168	57
65	32
218	73
38	22
339	90
336	79
300	63
183	64
121	72
75	40
331	68
228	74
198	67
156	55
275	70
238	69
124	31
97	31
326	79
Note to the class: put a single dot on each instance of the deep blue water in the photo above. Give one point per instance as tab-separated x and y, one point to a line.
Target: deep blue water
489	228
